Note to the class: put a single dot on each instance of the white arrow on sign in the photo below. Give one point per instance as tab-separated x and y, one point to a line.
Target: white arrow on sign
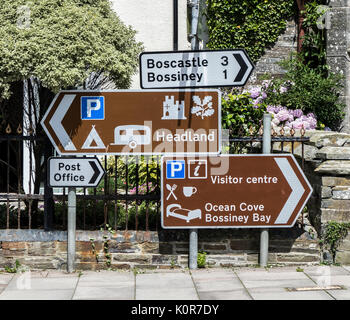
194	69
56	122
297	190
74	172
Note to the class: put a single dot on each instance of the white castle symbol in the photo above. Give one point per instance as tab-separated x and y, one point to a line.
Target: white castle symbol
173	111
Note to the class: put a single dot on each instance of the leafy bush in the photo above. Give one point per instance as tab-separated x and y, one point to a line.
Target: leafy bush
313	51
308	90
241	115
130	163
94	213
37	217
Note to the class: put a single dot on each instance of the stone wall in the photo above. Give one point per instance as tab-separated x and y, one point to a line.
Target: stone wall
330	176
327	167
154	250
268	63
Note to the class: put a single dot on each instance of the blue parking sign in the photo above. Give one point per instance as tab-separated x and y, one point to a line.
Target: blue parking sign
175	169
92	108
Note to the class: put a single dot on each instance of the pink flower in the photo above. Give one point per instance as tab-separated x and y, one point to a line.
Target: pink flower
283	89
297	113
297	124
255	93
284	115
275	121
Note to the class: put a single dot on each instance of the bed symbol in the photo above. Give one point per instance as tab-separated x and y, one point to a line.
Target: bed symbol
175	210
132	135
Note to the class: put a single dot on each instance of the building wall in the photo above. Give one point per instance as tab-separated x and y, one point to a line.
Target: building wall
153	21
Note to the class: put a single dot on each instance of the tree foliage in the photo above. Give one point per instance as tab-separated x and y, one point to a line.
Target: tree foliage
61	42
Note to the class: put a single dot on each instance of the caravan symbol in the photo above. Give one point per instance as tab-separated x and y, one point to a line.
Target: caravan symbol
132	135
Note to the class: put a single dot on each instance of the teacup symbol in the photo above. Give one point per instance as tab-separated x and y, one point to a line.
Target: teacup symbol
189	191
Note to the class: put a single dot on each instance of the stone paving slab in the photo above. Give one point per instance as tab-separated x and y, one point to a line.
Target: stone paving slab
346	268
5	278
285	295
165	286
332	280
105	279
105	285
272	279
340	294
325	270
214	280
60	274
251	285
104	293
42	283
238	294
219	285
35	286
37	295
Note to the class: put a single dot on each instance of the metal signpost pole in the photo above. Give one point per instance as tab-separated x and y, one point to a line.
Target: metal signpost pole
72	199
193	241
264	235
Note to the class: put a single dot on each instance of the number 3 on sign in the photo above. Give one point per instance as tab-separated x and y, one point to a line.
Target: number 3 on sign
224	63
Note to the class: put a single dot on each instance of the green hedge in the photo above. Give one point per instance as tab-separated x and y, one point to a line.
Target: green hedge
250	24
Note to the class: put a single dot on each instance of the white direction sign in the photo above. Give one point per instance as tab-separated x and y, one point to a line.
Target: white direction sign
194	69
74	172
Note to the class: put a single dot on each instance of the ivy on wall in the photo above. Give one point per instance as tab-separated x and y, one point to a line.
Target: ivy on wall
249	24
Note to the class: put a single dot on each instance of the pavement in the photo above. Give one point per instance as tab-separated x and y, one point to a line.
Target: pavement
276	283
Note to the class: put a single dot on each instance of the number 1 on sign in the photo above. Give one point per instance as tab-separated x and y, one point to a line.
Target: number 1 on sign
225	73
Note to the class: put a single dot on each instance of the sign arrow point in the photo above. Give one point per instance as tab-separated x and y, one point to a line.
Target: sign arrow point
297	190
96	172
243	65
56	122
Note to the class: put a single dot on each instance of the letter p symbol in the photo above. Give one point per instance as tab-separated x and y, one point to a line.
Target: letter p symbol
92	108
175	169
93	104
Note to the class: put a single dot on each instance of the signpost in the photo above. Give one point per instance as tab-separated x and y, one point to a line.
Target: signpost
74	172
264	233
194	69
232	191
135	122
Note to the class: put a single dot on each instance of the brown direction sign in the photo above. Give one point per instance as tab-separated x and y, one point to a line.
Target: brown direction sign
135	122
232	191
